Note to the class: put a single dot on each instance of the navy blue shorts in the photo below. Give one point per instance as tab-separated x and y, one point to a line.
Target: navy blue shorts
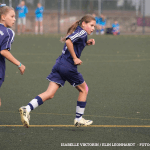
61	73
1	81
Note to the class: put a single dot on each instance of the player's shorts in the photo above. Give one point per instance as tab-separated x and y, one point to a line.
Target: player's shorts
61	73
1	82
103	25
22	21
39	19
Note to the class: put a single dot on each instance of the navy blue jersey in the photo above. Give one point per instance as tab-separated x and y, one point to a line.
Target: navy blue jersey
64	68
6	39
79	39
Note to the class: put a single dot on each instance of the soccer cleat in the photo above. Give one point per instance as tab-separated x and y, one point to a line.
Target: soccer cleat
25	117
82	122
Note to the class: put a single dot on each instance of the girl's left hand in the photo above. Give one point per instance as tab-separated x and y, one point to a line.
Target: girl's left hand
22	69
90	42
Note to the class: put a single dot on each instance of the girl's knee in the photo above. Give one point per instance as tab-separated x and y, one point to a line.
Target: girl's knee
84	91
51	96
48	95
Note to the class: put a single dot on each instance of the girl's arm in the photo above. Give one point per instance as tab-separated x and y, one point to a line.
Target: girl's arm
90	42
12	59
41	10
17	8
26	10
69	45
37	11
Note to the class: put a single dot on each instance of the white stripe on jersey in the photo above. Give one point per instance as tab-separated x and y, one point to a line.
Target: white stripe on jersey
13	35
9	37
73	37
78	34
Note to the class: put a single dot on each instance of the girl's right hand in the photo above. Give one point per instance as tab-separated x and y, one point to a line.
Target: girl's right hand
22	69
77	61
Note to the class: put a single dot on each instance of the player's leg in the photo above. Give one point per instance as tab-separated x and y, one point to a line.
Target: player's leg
37	101
41	26
81	103
23	28
50	92
76	79
19	23
102	29
36	27
97	29
18	29
23	24
83	91
41	98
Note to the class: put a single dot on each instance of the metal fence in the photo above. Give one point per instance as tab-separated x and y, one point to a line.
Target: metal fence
132	15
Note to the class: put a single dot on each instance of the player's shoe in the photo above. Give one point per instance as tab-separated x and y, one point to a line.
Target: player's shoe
25	117
82	122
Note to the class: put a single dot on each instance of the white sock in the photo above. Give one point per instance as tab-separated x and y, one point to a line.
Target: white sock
28	108
37	101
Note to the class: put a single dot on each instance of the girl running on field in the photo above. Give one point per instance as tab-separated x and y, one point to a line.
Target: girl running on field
65	69
7	20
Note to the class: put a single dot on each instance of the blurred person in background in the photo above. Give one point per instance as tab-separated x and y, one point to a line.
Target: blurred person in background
39	18
102	23
115	26
97	26
22	11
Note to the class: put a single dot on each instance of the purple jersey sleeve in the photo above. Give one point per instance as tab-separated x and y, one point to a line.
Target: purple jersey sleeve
77	36
7	41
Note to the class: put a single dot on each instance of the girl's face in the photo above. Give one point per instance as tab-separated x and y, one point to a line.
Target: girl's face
22	3
9	19
89	27
38	5
116	22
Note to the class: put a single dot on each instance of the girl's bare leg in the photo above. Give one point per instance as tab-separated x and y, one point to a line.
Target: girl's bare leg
36	27
23	28
80	108
50	92
18	29
41	27
83	91
37	101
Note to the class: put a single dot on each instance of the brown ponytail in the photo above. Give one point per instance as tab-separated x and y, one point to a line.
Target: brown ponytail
73	27
70	30
87	18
